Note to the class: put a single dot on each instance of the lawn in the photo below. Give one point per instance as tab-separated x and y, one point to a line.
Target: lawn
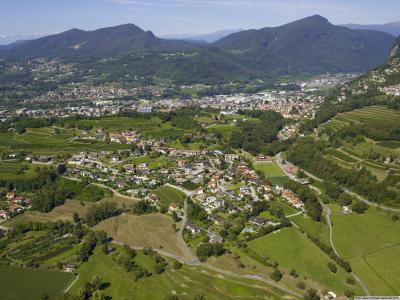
169	194
154	230
269	169
370	242
11	170
272	172
224	129
184	283
292	249
19	284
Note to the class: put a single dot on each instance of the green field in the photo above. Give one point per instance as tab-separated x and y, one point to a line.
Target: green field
11	170
184	283
292	249
169	194
45	141
224	129
370	242
153	127
154	230
272	172
21	284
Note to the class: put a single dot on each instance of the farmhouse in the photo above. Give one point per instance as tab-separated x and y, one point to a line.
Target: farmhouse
193	228
258	221
215	238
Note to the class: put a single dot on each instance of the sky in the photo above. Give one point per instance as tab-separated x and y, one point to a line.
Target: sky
163	17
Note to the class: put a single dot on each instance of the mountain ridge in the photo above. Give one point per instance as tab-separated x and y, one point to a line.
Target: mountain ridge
306	46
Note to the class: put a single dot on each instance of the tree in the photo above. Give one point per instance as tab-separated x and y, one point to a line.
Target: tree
98	295
96	282
332	267
158	269
276	275
76	218
311	295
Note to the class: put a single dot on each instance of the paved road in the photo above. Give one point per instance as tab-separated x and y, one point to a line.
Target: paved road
118	194
187	250
346	190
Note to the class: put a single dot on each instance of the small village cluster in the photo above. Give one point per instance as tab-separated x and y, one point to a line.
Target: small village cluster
13	205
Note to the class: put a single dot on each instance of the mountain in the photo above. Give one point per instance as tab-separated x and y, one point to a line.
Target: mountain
307	46
392	28
101	43
7	40
310	45
205	38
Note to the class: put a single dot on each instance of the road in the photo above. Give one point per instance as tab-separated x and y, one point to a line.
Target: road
327	211
187	250
71	284
218	270
115	192
346	190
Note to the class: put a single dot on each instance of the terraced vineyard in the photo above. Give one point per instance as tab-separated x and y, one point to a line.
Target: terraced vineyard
352	155
364	115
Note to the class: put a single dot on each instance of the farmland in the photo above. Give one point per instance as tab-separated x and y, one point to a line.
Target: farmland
186	282
14	170
31	284
370	241
169	194
364	115
48	141
301	255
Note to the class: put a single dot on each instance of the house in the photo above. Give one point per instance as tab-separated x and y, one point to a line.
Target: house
232	209
216	219
10	195
193	228
231	157
173	207
263	158
258	221
330	295
70	268
347	210
292	198
215	238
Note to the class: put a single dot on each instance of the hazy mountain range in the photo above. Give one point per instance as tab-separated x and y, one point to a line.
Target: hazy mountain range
203	38
392	28
310	45
6	40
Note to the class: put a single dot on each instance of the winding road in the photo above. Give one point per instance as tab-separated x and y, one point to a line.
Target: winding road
327	211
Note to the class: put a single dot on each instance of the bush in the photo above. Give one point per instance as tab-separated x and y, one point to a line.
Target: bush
158	269
332	267
276	275
351	280
301	285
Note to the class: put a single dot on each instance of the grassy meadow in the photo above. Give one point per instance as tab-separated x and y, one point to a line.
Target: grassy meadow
184	283
20	284
370	242
292	249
